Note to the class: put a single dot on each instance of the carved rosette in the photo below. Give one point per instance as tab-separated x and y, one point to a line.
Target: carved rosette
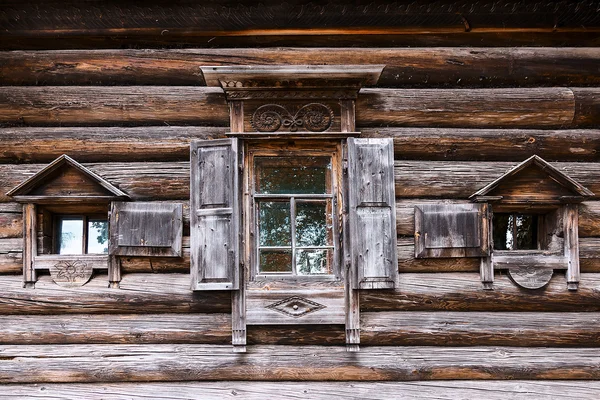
313	117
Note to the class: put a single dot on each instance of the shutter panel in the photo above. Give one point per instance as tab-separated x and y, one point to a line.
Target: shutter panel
372	213
214	215
146	229
451	230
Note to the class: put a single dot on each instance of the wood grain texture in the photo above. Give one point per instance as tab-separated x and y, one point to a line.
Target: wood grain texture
170	293
405	67
138	293
171	143
421	390
167	362
400	328
170	105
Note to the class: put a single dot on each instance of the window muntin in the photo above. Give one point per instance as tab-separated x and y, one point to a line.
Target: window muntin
293	201
81	235
515	231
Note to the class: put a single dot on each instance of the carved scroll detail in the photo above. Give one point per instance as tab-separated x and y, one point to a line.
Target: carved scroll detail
314	117
530	277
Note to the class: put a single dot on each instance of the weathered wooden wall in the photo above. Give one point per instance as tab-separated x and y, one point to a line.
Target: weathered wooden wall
117	86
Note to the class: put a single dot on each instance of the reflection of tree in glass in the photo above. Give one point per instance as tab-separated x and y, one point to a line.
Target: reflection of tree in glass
285	175
274	224
311	228
102	228
65	238
310	262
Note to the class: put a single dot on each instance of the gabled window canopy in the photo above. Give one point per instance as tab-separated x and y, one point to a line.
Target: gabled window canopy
65	180
534	181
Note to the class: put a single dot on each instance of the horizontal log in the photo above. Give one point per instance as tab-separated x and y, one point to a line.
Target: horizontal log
147	105
445	144
405	67
274	38
422	390
171	143
163	362
463	291
402	328
11	224
170	293
102	144
138	293
460	179
11	256
414	179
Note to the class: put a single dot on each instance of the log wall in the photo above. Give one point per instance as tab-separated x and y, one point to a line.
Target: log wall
125	99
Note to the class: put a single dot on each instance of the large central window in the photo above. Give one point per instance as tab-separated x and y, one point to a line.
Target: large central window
293	207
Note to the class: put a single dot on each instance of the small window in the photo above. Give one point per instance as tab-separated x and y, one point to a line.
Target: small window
514	231
293	202
81	235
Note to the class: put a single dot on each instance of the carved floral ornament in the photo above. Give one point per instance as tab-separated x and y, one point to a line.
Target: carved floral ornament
313	117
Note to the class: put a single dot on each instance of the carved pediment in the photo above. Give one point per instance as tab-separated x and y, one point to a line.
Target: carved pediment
64	179
534	181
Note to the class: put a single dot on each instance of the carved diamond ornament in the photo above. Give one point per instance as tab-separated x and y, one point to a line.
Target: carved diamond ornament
295	306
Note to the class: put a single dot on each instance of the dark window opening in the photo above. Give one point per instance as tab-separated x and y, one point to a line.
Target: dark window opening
77	234
515	231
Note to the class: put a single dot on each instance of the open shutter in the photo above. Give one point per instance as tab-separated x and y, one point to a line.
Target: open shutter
146	229
451	230
372	213
214	215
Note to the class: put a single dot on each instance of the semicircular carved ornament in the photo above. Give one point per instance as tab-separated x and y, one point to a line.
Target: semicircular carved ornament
314	117
71	273
530	277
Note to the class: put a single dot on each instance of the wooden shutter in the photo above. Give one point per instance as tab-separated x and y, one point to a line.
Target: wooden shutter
451	230
214	215
372	213
146	229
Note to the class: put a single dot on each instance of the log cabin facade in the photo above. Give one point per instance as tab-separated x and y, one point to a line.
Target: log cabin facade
367	200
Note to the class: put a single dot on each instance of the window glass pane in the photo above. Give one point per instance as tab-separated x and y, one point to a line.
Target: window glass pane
70	236
503	237
276	261
515	231
311	262
313	223
526	228
274	223
293	175
97	237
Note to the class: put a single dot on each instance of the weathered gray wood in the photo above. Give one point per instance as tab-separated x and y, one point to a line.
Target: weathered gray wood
421	390
138	293
165	362
405	67
399	328
372	213
530	277
11	256
147	229
295	307
469	108
571	244
171	143
29	243
68	270
215	211
451	230
158	293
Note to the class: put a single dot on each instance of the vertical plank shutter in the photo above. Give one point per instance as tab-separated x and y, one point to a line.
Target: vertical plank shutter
372	213
451	230
214	215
